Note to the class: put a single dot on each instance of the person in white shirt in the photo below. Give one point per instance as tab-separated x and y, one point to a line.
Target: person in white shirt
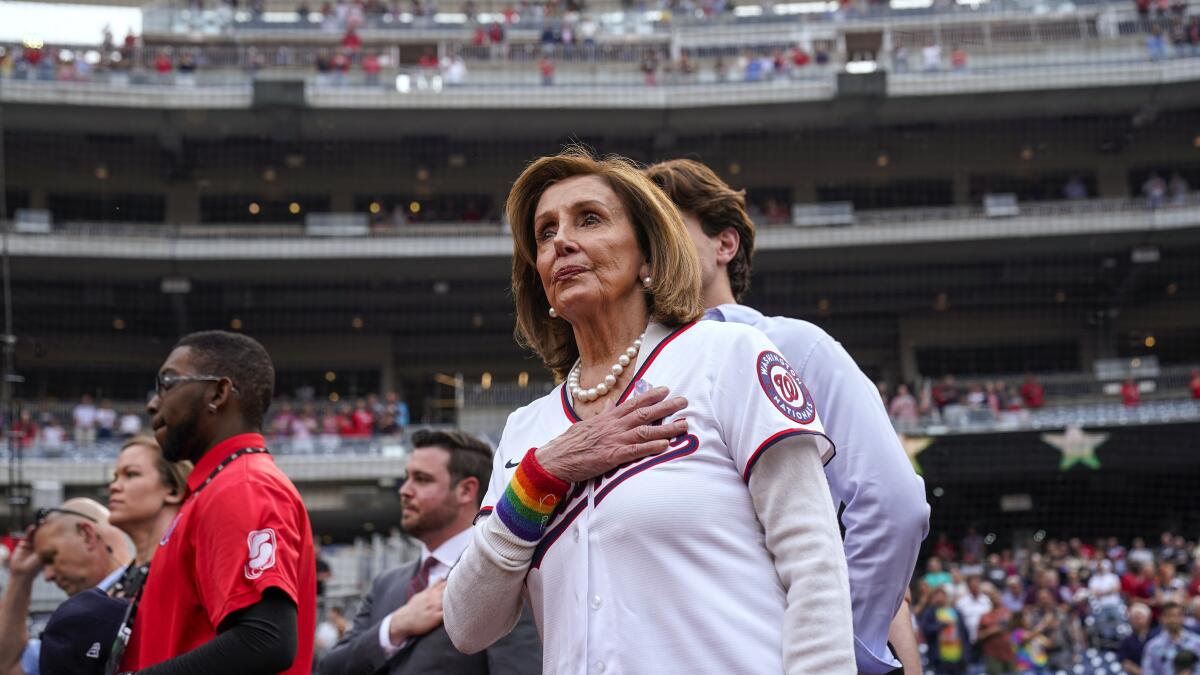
1105	585
130	425
692	534
106	421
972	605
84	416
398	629
880	498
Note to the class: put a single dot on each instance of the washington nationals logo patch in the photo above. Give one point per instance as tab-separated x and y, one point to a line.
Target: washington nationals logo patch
782	385
262	552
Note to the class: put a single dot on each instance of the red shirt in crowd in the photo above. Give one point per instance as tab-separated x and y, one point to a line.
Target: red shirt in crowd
1033	394
800	58
246	532
371	65
1194	384
351	40
162	64
362	422
1130	395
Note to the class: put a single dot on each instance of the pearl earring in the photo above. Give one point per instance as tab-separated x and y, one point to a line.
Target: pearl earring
553	314
646	281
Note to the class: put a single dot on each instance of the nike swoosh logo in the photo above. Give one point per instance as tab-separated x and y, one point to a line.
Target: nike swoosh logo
511	464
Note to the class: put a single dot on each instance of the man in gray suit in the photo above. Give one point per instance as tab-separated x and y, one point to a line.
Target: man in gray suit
399	628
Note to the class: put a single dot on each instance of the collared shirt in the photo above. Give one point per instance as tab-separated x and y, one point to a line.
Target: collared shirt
246	532
446	555
885	514
1159	655
32	654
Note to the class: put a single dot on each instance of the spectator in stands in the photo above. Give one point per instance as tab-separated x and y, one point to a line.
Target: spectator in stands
1154	189
371	68
24	430
945	634
931	57
1194	383
1192	620
454	70
903	408
84	417
362	420
106	421
351	42
52	435
1178	189
1162	649
281	425
935	575
398	628
398	407
1075	189
958	59
1032	393
1014	594
74	546
993	640
546	68
130	425
1130	396
1156	44
1105	586
1133	646
1030	646
163	66
972	605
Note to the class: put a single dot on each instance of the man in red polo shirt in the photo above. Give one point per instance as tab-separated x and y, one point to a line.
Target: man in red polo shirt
232	588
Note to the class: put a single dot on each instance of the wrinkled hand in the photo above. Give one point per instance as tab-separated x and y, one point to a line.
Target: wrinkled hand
614	437
25	562
421	614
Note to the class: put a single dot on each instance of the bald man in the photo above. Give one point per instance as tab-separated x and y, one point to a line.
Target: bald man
74	546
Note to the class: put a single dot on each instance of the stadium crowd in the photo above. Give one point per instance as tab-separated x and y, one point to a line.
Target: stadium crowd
1040	609
304	425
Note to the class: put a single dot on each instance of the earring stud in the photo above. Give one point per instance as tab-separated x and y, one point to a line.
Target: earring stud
646	281
553	314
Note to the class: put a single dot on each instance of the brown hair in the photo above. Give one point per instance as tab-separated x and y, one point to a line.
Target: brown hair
470	457
696	189
174	475
673	296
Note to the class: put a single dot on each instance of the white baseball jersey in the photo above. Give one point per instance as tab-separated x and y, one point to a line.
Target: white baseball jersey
885	514
660	566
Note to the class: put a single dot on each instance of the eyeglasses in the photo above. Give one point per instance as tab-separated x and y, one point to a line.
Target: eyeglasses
167	381
42	514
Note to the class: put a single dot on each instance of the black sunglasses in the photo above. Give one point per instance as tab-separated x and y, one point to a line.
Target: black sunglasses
42	514
165	382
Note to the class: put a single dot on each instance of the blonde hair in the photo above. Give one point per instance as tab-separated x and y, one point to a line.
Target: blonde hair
174	475
674	294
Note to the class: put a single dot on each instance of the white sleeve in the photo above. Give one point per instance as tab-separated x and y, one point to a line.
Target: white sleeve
792	501
760	401
885	515
484	591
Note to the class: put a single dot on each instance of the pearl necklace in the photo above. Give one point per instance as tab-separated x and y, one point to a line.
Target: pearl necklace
578	393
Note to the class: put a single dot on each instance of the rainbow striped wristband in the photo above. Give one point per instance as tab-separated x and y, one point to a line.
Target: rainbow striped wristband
530	499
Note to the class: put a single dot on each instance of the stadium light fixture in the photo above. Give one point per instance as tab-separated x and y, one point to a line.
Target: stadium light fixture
235	323
883	160
735	168
330	376
375	208
1150	342
118	323
522	379
254	208
294	208
356	323
269	174
334	397
485	381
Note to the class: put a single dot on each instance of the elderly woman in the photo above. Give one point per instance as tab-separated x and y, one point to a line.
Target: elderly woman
650	534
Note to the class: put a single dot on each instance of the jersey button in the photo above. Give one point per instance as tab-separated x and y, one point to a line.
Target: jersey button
599	666
596	602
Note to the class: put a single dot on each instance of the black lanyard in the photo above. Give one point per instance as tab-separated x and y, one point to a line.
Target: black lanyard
126	629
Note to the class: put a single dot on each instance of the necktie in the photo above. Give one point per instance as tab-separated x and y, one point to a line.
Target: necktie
420	580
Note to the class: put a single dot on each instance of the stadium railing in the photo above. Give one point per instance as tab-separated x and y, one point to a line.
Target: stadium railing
953	223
